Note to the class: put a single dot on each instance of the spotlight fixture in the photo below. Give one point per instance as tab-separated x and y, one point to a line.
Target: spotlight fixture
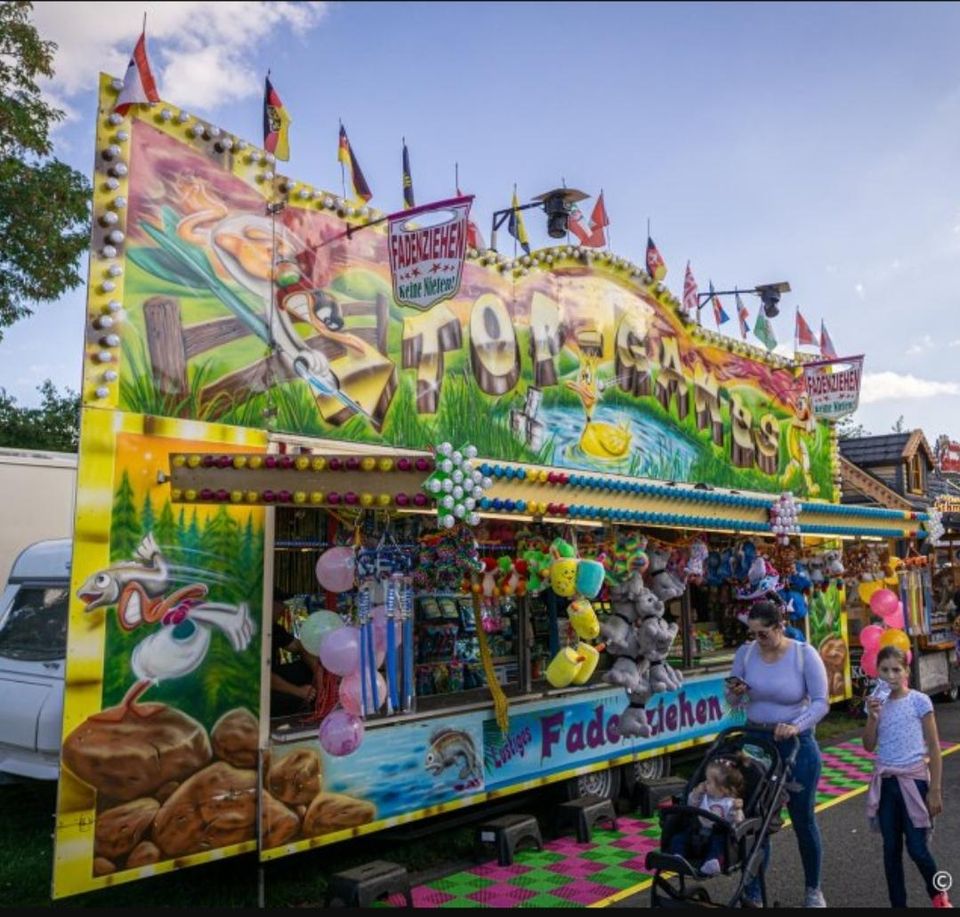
557	204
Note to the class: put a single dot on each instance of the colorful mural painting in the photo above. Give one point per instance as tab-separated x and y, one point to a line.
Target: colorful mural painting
251	305
419	768
160	747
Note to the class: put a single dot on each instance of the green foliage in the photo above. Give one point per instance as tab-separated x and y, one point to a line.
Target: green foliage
225	556
54	426
124	525
44	204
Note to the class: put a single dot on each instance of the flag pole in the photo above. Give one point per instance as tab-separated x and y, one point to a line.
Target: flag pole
606	229
516	217
343	173
144	30
456	177
796	331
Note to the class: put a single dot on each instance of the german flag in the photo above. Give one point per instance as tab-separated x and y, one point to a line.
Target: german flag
345	154
656	266
407	180
276	123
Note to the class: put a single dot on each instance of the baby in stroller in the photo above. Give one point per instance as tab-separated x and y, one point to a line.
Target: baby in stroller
720	793
731	803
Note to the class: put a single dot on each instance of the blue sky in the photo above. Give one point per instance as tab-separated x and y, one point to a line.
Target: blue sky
816	143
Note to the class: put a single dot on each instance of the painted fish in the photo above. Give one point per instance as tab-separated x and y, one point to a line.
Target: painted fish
149	570
449	748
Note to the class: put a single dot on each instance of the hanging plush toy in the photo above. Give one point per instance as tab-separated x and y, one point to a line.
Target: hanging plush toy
695	568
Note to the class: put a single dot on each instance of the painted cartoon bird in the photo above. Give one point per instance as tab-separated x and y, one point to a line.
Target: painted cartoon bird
138	590
601	440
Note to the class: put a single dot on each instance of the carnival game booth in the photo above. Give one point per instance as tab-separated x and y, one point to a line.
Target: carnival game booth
899	584
491	506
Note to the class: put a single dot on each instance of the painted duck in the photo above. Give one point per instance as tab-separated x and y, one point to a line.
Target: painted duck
138	590
601	440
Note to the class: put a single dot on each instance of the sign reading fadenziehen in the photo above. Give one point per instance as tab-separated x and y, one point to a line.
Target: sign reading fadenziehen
427	246
834	386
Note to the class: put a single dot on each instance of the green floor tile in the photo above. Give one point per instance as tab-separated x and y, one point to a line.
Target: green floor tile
461	883
462	902
547	900
537	857
540	879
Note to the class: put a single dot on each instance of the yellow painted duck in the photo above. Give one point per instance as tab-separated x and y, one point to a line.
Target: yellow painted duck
601	440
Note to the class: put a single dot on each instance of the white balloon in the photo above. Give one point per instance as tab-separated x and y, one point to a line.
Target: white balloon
447	502
446	466
457	458
459	511
477	493
457	493
447	485
457	476
470	452
487	483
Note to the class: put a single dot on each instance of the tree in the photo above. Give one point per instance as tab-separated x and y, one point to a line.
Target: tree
44	203
847	429
124	525
54	426
899	426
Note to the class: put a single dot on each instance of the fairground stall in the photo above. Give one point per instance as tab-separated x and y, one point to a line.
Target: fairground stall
903	583
511	509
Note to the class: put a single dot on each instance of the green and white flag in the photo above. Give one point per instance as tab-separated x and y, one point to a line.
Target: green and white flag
763	330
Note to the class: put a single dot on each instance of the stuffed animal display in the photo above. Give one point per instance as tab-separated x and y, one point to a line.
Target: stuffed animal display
637	634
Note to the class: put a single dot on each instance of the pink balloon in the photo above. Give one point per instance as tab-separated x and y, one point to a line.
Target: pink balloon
350	692
896	618
336	568
869	663
884	602
341	733
340	651
870	638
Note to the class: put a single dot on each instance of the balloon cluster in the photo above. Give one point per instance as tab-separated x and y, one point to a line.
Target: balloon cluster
784	516
457	485
874	637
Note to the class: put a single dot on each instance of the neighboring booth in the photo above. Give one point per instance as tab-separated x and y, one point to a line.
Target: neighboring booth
278	404
898	471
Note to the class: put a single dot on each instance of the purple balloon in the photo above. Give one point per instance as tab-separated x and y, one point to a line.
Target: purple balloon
340	650
341	733
379	615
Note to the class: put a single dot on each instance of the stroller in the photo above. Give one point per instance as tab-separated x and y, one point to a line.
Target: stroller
765	773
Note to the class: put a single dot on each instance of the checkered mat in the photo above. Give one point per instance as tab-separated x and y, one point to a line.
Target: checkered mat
568	874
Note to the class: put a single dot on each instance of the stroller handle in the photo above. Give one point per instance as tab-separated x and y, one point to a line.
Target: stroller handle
766	730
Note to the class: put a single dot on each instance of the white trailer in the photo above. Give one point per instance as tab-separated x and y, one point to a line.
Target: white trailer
37	491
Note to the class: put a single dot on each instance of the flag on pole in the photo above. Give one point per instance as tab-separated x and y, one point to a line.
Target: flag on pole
742	316
656	266
276	123
599	221
139	86
515	227
474	237
763	330
575	224
407	180
803	334
718	314
827	350
691	299
345	154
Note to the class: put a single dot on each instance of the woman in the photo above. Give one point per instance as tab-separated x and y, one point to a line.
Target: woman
783	685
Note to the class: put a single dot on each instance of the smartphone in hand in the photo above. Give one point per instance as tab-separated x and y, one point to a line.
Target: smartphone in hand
734	681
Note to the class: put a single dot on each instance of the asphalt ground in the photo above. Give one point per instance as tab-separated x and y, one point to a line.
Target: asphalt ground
853	873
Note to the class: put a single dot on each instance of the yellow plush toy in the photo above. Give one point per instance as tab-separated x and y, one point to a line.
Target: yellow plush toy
564	667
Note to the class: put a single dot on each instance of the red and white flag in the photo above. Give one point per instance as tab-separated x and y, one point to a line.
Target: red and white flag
691	299
594	237
474	237
803	334
575	225
139	86
827	350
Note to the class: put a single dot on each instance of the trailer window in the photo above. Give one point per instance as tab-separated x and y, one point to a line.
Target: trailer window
35	627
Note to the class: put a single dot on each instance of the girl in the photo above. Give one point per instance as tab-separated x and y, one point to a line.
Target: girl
721	793
904	794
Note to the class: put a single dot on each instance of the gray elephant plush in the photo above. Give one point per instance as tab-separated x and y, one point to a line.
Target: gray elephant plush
663	583
640	638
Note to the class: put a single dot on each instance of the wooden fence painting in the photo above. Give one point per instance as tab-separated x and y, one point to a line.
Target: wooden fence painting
171	346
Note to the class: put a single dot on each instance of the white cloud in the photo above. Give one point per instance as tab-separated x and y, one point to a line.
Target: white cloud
858	289
199	52
925	344
889	386
954	343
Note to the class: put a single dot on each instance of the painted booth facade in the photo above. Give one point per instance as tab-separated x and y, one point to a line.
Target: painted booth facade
228	306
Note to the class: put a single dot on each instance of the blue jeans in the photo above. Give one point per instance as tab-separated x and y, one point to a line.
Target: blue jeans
806	773
714	849
895	825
